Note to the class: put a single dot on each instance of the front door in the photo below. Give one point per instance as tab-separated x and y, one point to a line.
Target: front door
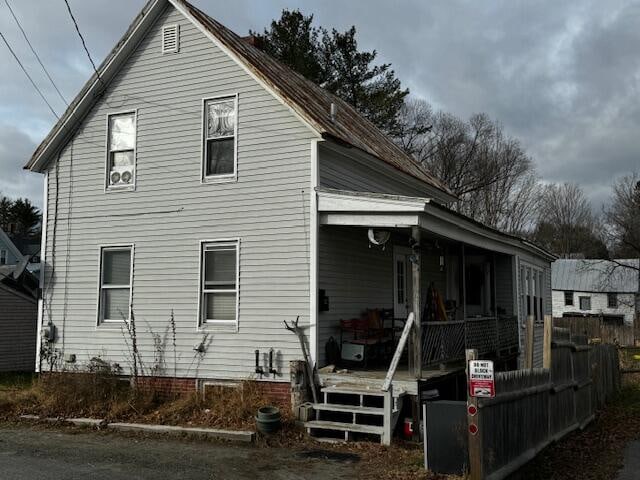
402	277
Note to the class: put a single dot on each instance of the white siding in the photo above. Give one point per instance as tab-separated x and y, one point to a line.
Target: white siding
18	318
343	172
171	211
599	305
354	276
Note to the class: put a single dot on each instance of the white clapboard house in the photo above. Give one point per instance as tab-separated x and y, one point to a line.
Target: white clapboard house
197	175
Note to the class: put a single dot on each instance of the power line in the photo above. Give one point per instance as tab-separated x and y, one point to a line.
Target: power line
84	45
29	76
34	52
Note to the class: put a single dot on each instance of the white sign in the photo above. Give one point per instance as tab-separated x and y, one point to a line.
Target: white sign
481	379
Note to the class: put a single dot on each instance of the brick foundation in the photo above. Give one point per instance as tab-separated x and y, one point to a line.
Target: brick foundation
276	392
167	386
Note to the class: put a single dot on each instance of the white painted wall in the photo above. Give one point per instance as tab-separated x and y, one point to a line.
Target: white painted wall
626	304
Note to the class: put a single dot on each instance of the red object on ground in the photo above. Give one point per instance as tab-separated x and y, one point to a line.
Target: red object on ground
408	428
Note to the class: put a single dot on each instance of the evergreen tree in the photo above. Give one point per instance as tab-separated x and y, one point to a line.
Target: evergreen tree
333	61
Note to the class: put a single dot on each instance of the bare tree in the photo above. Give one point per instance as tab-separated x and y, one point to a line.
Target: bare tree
488	171
622	217
567	225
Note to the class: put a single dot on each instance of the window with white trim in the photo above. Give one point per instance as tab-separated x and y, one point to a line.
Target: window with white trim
115	284
220	133
121	151
219	283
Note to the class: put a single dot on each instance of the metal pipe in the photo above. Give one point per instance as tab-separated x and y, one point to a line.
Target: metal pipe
258	369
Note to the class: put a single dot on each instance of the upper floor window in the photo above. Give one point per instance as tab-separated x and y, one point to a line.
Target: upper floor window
585	303
121	151
612	300
220	133
568	298
115	283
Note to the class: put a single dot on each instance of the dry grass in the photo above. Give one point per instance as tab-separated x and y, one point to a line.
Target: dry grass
104	395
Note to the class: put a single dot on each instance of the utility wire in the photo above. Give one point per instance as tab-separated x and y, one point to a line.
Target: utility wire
24	34
84	45
29	76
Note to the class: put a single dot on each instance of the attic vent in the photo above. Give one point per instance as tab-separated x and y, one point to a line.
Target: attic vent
170	38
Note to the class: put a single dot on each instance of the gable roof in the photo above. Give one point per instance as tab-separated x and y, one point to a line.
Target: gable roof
596	276
308	100
4	239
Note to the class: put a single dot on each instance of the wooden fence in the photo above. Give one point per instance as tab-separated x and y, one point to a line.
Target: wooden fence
597	331
537	406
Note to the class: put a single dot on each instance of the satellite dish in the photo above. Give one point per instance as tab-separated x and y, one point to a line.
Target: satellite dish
378	237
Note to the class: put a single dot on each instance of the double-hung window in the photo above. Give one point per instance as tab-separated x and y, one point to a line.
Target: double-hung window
219	283
219	135
121	151
115	284
612	300
3	257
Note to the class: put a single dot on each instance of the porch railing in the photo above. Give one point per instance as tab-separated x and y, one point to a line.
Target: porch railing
444	342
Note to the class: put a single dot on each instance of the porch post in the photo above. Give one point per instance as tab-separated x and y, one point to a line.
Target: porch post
415	355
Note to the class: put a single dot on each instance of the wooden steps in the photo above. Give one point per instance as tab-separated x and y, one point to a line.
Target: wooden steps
351	412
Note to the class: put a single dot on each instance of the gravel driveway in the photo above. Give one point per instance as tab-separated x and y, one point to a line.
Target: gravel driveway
33	453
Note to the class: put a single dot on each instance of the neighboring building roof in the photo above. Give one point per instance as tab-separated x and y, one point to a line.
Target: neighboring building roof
19	279
619	276
307	99
4	239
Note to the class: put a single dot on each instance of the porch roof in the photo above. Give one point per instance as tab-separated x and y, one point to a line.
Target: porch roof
379	210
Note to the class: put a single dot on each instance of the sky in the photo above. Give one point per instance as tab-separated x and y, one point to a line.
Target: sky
562	77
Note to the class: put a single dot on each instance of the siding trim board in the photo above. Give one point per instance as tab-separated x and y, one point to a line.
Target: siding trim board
43	269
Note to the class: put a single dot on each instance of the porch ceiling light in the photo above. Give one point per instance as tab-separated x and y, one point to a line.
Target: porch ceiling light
378	237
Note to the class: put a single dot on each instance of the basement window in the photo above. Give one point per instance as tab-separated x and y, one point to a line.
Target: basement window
171	39
220	138
115	284
219	283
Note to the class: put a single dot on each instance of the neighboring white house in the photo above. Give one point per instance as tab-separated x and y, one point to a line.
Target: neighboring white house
610	289
199	178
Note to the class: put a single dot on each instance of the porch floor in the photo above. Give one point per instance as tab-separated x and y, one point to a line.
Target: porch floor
373	378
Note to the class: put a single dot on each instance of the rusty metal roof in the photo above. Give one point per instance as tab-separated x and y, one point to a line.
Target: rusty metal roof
307	99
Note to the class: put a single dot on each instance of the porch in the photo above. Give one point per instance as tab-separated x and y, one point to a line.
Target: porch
374	270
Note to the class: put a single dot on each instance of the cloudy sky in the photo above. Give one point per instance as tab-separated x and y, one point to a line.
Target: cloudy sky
563	77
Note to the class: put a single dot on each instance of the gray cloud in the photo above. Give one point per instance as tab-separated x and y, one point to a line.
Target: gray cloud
563	77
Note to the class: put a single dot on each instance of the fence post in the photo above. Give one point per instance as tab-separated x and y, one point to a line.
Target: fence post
528	360
475	439
546	352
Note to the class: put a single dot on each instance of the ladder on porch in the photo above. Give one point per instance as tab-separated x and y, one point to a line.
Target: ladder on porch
352	411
